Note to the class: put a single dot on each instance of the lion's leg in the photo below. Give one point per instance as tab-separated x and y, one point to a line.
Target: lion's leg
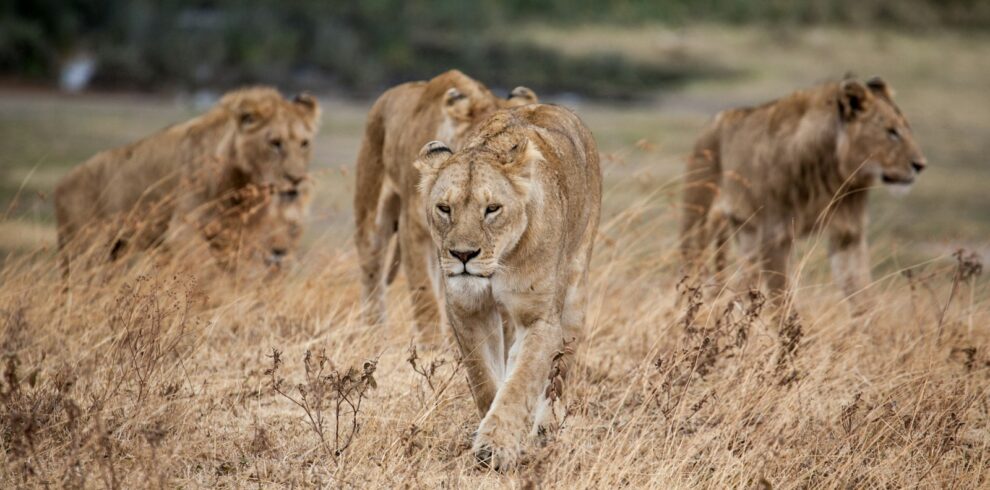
748	246
372	244
479	335
572	325
775	258
720	231
64	255
417	256
849	258
510	419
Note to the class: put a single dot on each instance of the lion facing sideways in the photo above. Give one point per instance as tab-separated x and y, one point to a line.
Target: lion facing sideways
386	199
801	164
513	216
191	173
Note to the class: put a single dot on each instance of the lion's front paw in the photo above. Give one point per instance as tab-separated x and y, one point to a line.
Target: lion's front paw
499	458
497	447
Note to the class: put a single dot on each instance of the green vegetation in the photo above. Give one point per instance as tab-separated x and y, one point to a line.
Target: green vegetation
362	47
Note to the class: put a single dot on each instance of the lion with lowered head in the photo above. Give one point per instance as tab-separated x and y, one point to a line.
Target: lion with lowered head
183	179
386	200
513	216
264	236
802	164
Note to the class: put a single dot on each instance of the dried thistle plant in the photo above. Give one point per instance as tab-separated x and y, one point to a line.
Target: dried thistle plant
328	392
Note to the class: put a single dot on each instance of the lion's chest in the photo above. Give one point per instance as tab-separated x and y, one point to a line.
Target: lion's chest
525	301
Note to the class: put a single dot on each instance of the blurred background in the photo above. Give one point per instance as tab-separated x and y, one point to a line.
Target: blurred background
80	76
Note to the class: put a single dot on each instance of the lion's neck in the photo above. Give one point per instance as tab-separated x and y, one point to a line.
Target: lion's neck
815	181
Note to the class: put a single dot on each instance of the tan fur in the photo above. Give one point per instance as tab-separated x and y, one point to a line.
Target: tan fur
770	174
386	200
189	173
513	217
266	234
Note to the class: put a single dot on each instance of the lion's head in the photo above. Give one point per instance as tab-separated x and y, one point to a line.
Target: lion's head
476	200
262	230
272	140
281	227
469	103
875	139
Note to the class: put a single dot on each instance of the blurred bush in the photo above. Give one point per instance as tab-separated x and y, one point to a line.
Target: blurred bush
362	46
911	14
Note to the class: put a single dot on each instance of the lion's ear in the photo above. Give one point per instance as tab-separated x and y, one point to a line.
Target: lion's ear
431	157
456	105
248	119
522	96
852	99
518	163
879	87
309	105
244	107
247	113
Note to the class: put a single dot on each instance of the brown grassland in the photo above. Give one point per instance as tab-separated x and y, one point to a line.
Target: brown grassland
158	372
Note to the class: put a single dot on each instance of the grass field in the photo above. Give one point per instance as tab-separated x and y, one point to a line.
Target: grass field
148	372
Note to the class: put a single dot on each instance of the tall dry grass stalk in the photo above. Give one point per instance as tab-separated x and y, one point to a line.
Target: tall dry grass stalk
153	371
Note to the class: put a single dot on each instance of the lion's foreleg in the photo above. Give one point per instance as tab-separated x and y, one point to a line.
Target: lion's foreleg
418	253
510	419
372	244
850	263
478	332
775	258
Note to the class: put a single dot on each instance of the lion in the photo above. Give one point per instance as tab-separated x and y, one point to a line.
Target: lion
513	217
189	173
282	228
386	201
795	166
263	236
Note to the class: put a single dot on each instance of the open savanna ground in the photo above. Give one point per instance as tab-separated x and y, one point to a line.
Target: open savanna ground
157	371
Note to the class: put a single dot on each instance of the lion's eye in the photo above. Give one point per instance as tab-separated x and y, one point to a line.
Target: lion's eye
289	195
893	134
305	143
276	143
443	208
492	208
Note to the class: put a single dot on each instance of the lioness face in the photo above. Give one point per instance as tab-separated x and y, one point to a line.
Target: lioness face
280	227
273	139
476	207
877	140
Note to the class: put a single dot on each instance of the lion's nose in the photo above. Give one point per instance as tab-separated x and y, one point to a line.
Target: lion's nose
918	166
464	255
294	179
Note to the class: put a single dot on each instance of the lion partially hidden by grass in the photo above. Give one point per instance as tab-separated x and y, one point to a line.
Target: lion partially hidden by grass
179	183
768	175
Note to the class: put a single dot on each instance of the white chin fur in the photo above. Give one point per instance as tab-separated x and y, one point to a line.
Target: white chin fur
898	190
467	289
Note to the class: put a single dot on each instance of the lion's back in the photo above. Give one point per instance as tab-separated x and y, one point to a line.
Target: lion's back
568	145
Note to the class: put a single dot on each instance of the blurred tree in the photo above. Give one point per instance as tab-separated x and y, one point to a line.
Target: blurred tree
362	46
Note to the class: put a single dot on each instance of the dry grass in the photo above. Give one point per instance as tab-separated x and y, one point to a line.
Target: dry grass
140	372
157	371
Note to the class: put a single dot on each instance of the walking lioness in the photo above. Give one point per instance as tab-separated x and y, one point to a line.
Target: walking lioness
513	216
770	174
386	200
